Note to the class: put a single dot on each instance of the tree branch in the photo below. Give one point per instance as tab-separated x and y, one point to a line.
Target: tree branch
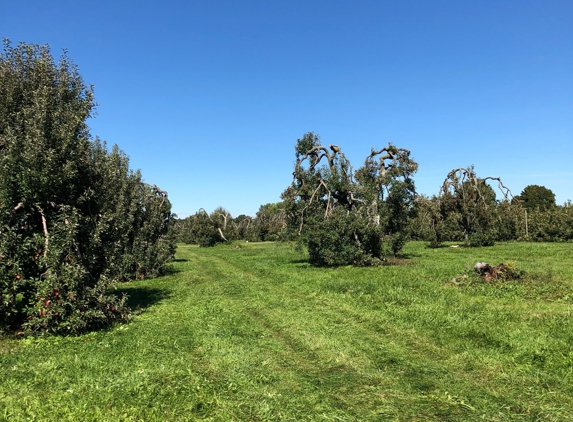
17	207
221	234
503	189
321	183
45	227
224	218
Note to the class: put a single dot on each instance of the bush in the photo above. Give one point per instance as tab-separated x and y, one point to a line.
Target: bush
345	238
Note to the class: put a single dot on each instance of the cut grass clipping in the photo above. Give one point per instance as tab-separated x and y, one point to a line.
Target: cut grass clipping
254	333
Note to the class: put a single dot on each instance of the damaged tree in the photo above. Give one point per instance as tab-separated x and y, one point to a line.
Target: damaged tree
467	204
345	216
207	229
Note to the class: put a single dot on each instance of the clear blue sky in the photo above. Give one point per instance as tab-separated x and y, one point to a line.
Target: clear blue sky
208	97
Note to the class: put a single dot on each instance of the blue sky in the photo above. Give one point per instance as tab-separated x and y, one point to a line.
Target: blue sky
209	97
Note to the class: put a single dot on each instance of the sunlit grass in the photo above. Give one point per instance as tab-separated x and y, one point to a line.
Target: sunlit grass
255	333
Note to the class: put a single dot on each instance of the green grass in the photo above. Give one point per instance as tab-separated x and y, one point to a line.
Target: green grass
257	334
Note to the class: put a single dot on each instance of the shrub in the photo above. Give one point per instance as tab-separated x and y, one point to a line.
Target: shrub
345	238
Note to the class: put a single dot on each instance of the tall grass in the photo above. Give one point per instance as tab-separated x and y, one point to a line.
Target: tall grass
255	333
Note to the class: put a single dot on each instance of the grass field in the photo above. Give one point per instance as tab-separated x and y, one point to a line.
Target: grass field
255	333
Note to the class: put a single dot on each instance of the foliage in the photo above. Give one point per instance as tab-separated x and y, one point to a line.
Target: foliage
243	227
347	217
551	225
134	219
505	271
508	218
181	229
467	210
535	196
436	220
474	201
73	218
434	223
345	238
510	271
206	229
270	223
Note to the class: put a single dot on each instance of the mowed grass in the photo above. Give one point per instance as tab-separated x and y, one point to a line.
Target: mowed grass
255	334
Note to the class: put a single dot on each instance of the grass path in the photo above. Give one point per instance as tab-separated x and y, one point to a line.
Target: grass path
256	334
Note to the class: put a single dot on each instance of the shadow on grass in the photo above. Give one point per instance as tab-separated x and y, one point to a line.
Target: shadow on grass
439	246
409	255
169	269
140	298
400	259
447	245
180	260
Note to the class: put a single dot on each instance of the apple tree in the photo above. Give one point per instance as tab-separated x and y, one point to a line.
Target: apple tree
349	217
74	219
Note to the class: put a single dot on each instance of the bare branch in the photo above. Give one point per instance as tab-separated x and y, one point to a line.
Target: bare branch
328	203
161	193
218	228
503	189
353	199
45	227
224	215
357	240
328	208
221	234
319	156
397	155
17	207
319	152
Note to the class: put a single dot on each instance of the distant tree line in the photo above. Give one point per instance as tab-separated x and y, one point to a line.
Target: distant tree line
219	226
343	216
478	218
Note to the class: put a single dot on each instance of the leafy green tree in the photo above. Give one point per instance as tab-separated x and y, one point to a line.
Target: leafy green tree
508	222
244	227
207	229
347	217
386	185
467	210
436	220
535	196
73	218
554	224
181	229
270	222
219	226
